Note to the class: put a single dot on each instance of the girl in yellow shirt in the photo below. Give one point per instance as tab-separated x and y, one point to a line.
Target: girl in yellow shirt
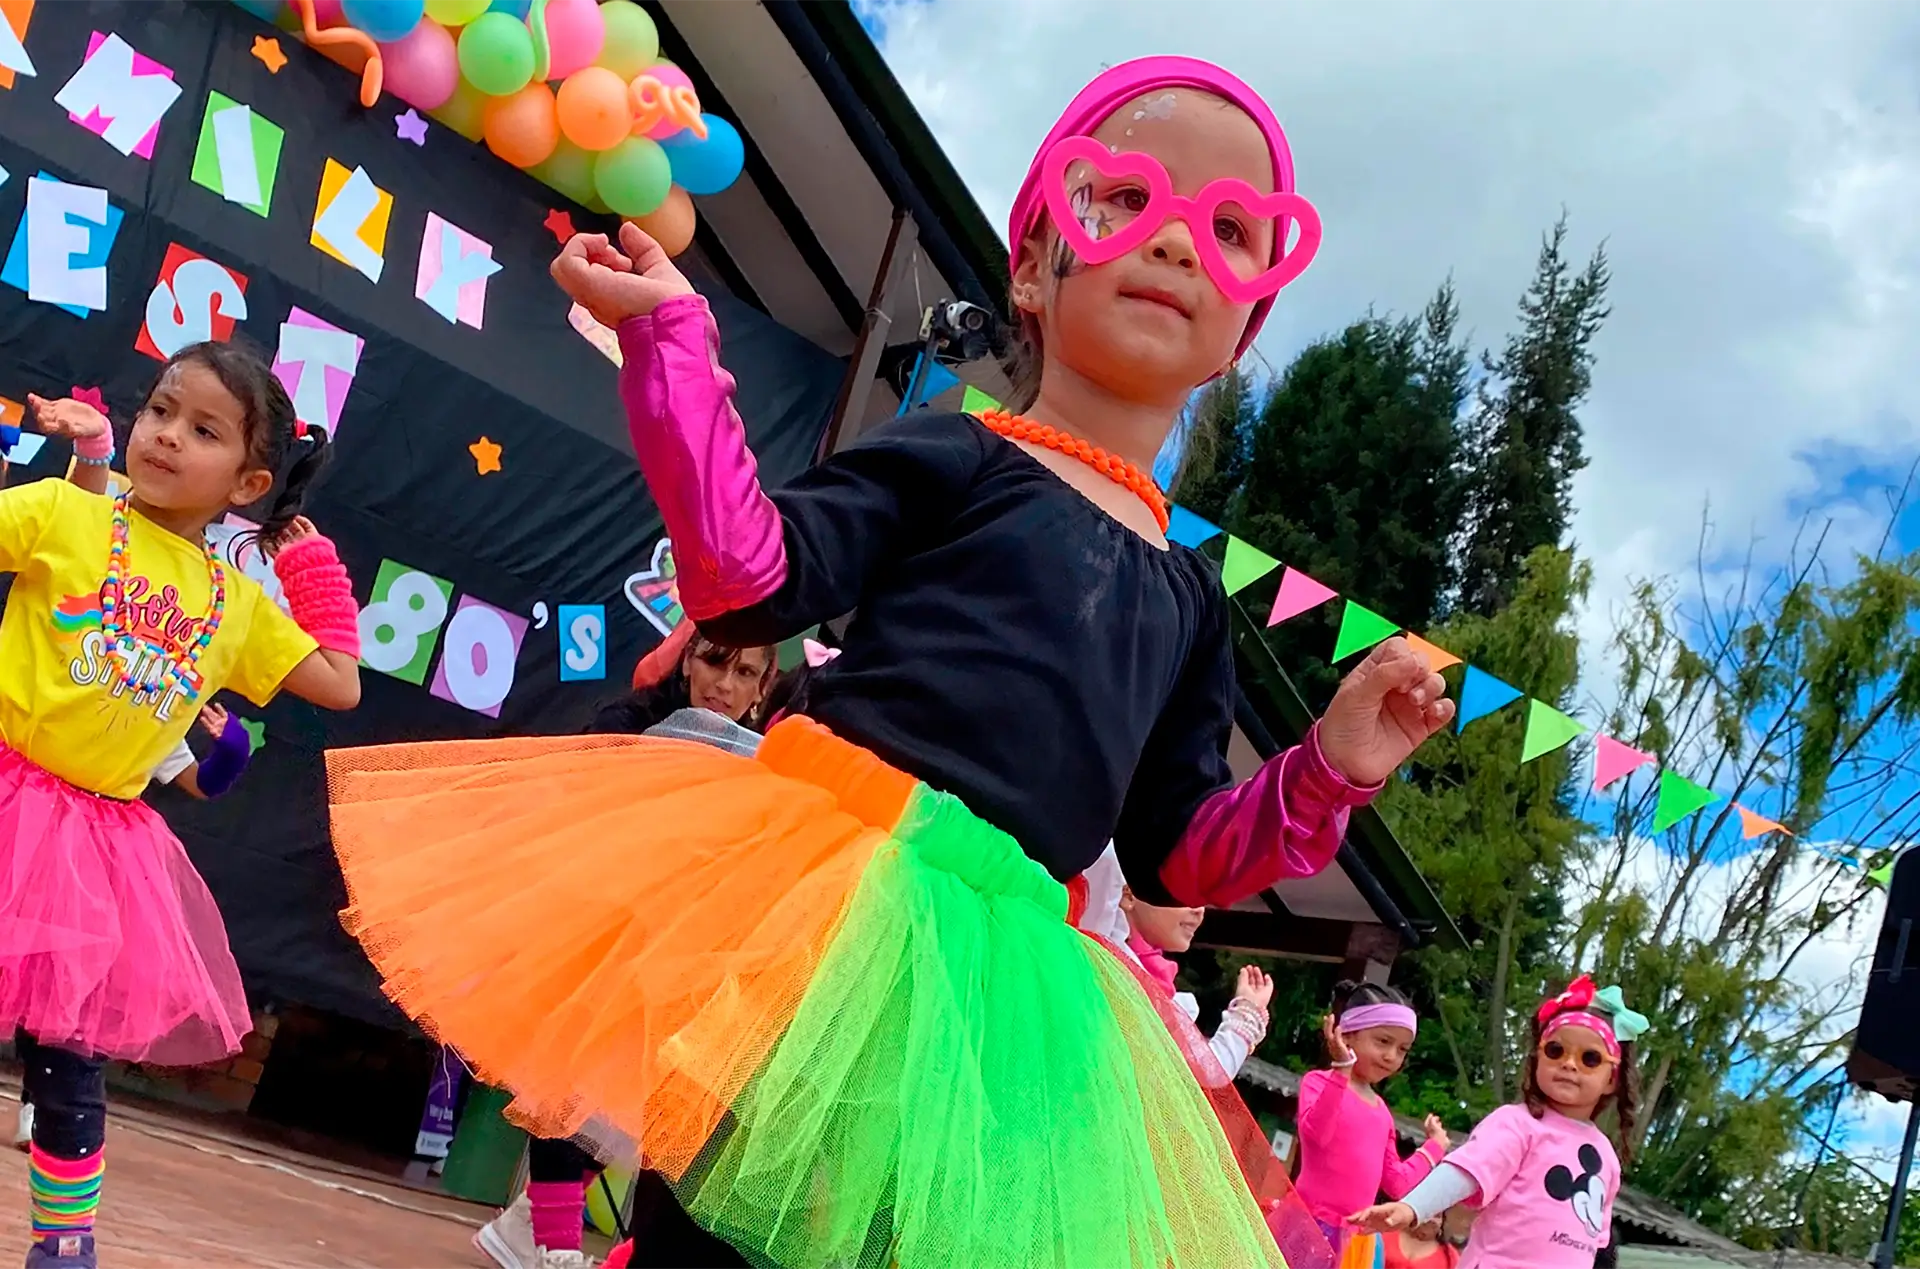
120	623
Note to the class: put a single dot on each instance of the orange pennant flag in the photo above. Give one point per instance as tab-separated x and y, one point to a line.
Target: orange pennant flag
1752	824
1438	658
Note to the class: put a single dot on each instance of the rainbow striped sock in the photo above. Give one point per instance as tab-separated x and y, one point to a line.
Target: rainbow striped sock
65	1192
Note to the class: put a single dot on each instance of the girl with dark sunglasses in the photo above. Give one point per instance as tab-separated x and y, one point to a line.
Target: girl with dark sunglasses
1541	1173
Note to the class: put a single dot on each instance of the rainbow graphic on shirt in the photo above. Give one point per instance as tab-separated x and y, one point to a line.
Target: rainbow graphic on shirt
655	591
77	613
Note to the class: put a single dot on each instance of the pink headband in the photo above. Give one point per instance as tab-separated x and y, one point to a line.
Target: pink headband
1360	1017
1118	85
1591	1021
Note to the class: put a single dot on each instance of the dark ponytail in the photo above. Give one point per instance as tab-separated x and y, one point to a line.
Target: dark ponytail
295	459
1348	994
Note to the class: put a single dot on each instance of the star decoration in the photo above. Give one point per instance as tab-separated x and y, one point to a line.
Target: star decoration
90	396
256	735
560	225
411	127
268	51
486	455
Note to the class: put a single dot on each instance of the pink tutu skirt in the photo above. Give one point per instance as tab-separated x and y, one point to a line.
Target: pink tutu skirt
109	941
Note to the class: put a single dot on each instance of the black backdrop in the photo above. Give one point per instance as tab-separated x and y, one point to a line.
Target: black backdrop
565	521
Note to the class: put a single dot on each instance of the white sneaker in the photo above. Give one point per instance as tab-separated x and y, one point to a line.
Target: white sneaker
507	1239
566	1260
23	1130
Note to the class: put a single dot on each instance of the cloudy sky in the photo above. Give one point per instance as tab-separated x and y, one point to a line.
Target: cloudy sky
1753	167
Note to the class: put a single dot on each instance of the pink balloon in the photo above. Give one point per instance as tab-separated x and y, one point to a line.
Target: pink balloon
328	13
670	77
575	32
423	68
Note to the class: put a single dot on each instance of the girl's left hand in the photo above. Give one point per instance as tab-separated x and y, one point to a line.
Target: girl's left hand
1437	1132
213	720
66	417
1385	708
300	528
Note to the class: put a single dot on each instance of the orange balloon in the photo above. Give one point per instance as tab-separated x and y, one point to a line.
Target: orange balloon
672	224
522	129
594	110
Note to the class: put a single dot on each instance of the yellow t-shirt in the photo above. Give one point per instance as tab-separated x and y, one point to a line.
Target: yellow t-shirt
61	703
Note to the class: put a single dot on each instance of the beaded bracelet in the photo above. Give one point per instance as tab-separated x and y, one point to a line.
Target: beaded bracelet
104	461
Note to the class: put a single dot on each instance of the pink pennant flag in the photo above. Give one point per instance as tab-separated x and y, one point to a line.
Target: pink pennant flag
1752	824
1298	592
1611	760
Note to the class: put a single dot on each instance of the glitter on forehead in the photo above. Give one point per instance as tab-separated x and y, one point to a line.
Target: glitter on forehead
1160	107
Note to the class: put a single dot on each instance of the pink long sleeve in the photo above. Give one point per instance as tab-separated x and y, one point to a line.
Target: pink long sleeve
692	447
1398	1176
1287	821
1321	1093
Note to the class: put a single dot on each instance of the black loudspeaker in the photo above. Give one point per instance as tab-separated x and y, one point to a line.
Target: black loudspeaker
1886	1045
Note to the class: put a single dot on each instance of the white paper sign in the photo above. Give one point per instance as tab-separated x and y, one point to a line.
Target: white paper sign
56	234
340	223
131	104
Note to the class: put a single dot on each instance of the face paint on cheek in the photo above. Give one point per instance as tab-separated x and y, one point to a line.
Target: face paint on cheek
1065	263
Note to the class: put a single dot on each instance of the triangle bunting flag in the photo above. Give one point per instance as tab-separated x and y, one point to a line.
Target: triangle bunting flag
1752	824
1480	695
1298	593
1679	798
1547	730
1187	529
1438	658
1360	629
1245	564
1611	760
1882	876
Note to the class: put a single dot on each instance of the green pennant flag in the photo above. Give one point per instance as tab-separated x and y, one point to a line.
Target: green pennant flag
1679	798
974	401
1360	629
1882	876
1547	730
1244	565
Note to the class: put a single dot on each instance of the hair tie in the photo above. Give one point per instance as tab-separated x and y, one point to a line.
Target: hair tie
1578	995
818	654
1627	1024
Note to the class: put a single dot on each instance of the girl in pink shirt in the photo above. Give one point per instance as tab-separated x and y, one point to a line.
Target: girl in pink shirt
1349	1150
1542	1175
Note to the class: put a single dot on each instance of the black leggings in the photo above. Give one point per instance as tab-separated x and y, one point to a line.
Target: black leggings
68	1093
550	1159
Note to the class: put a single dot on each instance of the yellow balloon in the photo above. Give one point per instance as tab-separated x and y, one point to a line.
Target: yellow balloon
455	12
464	111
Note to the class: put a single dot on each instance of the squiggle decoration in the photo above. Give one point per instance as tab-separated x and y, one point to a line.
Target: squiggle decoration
370	78
542	50
654	101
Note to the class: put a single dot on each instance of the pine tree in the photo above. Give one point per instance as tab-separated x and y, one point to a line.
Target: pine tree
1524	437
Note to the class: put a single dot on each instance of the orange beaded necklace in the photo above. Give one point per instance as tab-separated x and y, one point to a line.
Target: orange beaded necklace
1121	472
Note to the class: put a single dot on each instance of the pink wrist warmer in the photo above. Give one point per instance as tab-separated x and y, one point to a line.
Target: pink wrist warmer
727	536
1287	821
320	593
95	448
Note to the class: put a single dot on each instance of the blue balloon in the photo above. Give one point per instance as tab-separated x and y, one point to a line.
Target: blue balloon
384	20
518	8
709	166
265	10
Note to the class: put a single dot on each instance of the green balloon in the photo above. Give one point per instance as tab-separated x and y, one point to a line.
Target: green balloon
632	42
569	169
633	177
496	54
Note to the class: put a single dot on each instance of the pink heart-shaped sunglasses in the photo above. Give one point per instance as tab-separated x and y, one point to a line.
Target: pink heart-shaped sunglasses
1280	207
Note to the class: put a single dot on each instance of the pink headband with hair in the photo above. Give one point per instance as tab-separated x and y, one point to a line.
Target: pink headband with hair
1114	88
1591	1021
1360	1017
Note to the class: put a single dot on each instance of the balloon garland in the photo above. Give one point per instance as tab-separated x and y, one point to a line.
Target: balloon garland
572	92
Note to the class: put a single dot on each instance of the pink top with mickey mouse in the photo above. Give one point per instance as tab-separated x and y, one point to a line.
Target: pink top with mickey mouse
1546	1190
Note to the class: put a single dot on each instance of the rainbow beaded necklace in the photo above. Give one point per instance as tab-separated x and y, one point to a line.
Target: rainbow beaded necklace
124	651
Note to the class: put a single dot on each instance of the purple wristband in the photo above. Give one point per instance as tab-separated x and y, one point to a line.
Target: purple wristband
222	768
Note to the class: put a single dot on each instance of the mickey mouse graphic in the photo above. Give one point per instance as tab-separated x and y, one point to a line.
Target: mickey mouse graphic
1586	1192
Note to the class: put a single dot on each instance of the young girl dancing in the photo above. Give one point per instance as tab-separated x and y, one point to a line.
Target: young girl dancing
120	620
831	989
1349	1148
1541	1174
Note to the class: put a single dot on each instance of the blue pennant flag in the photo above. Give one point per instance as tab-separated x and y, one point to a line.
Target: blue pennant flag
1481	694
1188	529
938	379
